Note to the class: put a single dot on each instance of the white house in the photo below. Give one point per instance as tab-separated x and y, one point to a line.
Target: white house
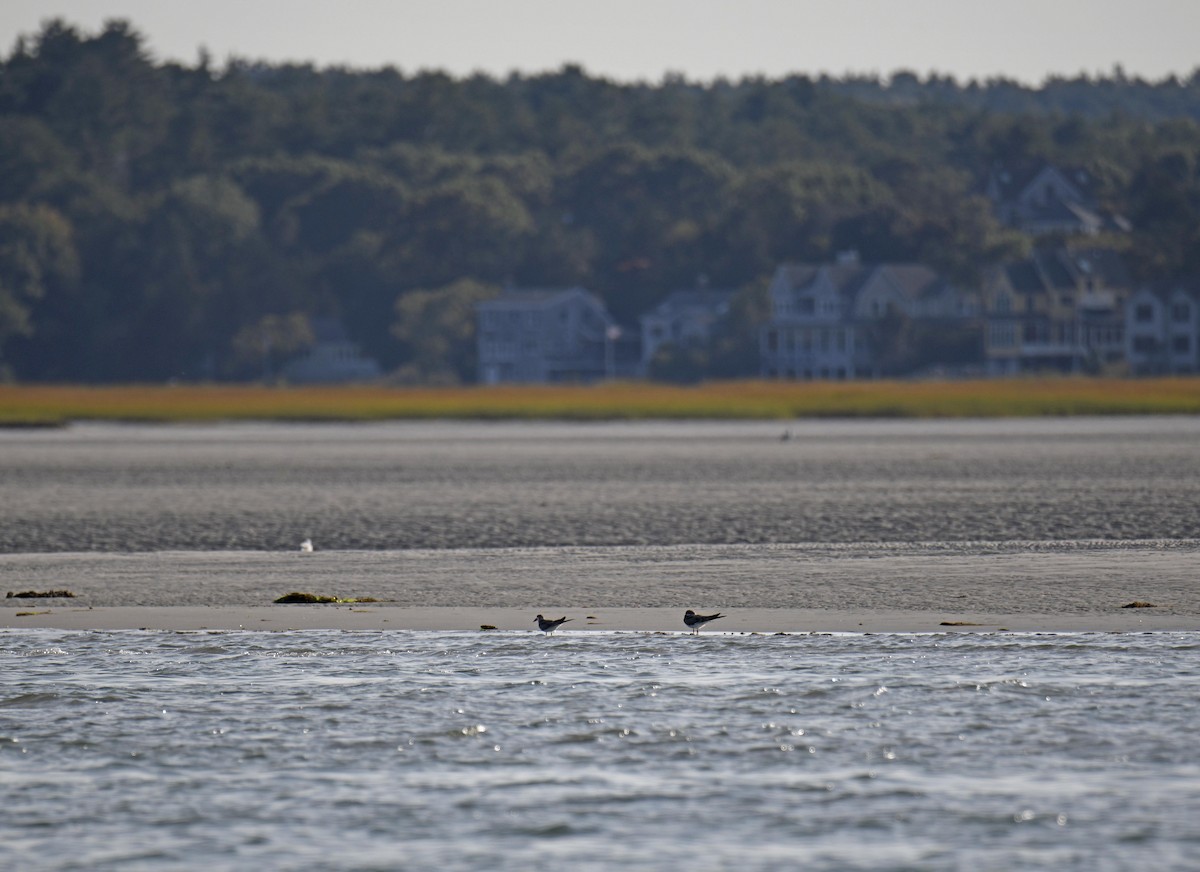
1163	328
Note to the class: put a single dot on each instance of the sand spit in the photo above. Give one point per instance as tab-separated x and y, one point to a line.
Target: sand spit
940	587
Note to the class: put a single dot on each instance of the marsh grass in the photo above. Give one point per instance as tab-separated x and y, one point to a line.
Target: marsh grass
52	405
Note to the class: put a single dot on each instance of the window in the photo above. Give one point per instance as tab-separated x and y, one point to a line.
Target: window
1144	344
1181	312
1181	344
1143	313
1003	336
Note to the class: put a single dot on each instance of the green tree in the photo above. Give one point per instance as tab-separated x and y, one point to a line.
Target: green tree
436	329
37	257
264	345
468	227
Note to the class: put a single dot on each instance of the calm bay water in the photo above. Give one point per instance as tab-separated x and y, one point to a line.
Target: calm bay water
420	750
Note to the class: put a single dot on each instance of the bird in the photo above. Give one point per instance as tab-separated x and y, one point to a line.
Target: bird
695	621
306	545
547	626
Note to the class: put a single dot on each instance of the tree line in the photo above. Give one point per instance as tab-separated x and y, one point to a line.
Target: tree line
161	220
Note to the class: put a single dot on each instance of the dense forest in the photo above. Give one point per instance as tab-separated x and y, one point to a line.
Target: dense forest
165	221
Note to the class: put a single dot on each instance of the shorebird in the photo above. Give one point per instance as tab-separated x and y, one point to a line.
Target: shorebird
547	626
695	621
306	545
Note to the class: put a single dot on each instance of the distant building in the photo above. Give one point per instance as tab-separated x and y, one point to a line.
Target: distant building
548	336
1049	200
1163	328
332	358
684	318
825	319
1055	311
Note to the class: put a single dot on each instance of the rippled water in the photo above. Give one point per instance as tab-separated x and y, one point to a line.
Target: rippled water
421	750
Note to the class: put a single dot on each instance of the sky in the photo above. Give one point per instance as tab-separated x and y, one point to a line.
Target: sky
643	40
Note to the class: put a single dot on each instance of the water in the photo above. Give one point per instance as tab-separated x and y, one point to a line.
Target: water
423	750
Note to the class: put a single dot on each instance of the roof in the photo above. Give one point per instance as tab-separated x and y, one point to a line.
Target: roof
1165	289
913	280
702	299
530	298
326	329
1060	269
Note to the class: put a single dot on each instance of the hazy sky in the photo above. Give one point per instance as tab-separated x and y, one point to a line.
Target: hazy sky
643	39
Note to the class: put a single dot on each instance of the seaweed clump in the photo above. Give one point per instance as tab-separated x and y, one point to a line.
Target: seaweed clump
40	594
298	597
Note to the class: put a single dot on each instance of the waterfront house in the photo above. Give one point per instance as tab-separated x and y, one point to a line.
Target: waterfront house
1056	311
547	336
832	321
1163	328
685	318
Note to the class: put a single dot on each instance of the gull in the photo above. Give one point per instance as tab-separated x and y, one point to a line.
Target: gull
547	626
306	545
695	621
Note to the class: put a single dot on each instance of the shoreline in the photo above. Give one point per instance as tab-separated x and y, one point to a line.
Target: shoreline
376	618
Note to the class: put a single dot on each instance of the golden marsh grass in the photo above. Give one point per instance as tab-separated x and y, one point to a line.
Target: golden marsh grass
48	405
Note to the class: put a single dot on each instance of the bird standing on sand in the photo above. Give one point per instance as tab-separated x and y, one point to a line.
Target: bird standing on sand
306	546
695	621
547	626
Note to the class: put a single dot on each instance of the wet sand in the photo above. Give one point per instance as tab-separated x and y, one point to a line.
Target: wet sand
1034	586
109	488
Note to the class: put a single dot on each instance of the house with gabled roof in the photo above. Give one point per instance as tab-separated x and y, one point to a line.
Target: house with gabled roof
828	320
685	318
1058	310
1047	199
547	336
1163	328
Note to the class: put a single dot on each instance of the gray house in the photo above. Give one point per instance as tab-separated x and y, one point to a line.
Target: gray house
1163	328
546	336
1051	199
823	317
683	318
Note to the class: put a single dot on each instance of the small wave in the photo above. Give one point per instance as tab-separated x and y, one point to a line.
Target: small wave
29	700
